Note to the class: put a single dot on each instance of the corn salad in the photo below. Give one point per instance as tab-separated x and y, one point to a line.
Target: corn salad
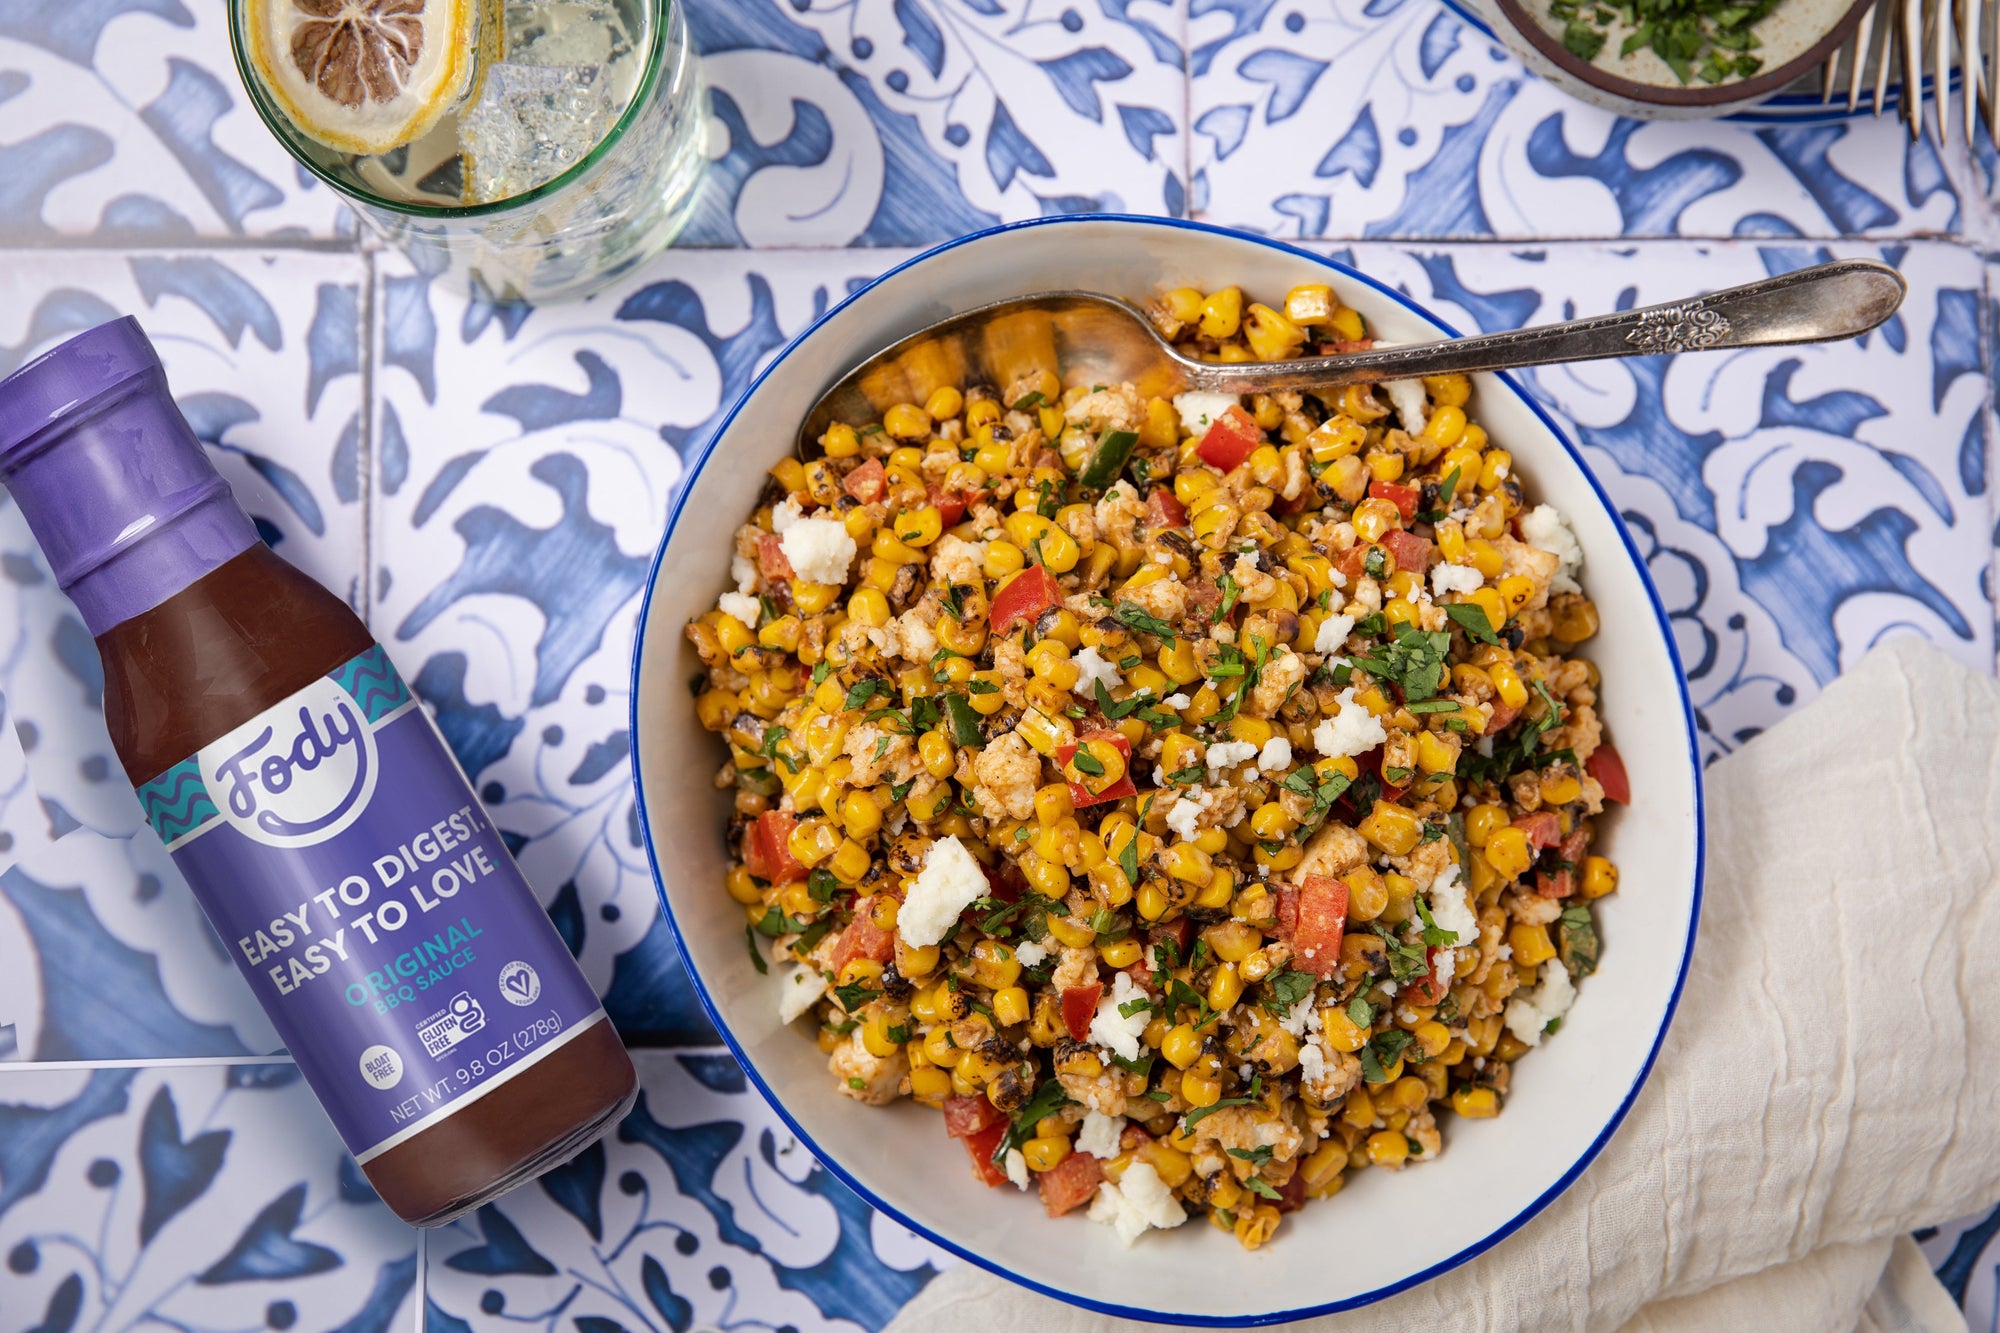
1191	798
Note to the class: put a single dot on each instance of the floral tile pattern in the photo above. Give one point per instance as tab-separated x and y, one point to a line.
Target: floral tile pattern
486	483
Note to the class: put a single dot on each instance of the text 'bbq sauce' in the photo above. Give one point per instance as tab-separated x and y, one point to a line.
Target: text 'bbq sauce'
310	803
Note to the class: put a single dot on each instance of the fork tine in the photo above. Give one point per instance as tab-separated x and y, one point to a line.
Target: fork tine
1864	39
1885	58
1970	64
1940	35
1913	66
1993	81
1829	73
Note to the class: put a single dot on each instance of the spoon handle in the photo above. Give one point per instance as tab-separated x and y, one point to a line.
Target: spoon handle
1819	304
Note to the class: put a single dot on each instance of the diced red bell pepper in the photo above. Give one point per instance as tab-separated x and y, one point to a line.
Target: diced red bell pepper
1609	770
1032	591
1163	510
867	483
1229	440
966	1116
1180	930
1070	1182
863	939
1081	796
981	1145
1370	761
1503	715
1005	880
1563	882
1352	564
1413	553
1079	1006
1403	497
1292	1194
1322	920
771	561
1430	988
949	504
1288	910
1543	828
767	849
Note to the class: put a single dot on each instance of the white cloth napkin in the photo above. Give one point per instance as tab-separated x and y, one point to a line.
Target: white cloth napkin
1832	1080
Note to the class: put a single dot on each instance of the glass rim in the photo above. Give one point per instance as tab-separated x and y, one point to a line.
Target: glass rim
284	131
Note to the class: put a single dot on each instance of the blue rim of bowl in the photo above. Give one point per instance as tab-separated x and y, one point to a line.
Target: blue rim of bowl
1783	109
1548	1196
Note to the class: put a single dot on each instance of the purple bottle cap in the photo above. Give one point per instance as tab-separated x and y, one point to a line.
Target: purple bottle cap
119	492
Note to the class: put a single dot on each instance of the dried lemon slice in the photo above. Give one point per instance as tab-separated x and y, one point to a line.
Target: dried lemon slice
363	76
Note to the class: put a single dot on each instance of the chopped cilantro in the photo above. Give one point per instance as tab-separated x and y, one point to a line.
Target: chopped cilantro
1255	1156
1133	616
756	954
862	690
1471	617
1260	1187
1231	590
1048	1099
1083	761
1284	990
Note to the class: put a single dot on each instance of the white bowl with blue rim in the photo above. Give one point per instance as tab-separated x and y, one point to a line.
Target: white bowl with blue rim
1384	1232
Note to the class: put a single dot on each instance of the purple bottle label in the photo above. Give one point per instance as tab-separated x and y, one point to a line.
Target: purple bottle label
367	898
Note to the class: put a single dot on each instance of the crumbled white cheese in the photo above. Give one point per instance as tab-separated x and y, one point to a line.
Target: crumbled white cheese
1031	953
1112	1030
1017	1168
947	885
1276	756
1333	632
743	572
1303	1017
1528	1014
1408	396
1545	529
784	514
1184	817
1199	410
819	550
1099	1135
1456	578
1245	568
1450	909
1177	700
1228	754
742	606
798	991
1312	1065
1352	730
1091	671
1139	1201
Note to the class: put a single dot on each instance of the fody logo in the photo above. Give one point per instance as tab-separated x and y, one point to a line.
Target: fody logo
297	774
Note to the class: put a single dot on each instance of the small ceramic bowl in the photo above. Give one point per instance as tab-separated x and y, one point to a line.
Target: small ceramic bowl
1797	38
1384	1232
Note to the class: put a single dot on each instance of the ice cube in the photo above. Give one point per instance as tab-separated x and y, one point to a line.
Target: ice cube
531	124
564	32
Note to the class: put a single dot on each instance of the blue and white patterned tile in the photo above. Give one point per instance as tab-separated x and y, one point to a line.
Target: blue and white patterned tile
1795	505
701	1211
264	356
524	460
192	1197
1395	118
1966	1257
905	122
126	123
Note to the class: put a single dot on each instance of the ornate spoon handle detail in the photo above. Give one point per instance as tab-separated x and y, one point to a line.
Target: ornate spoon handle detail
1819	304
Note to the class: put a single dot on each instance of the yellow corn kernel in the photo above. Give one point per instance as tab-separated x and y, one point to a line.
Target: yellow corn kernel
1002	559
812	841
1497	466
840	441
1151	901
1071	933
1043	733
1184	304
868	607
1222	313
1516	590
849	861
1388	1148
1507	684
1359	1108
1233	941
934	749
1600	877
859	814
875	1037
1120	953
1324	1165
1507	851
1310	303
1392	828
1407	1094
1224	988
1432	1036
1045	1153
1188	863
1482	821
1340	1031
1434	755
926	806
906	421
1531	944
790	473
1560	788
1270	822
1347	325
1283	859
1046	877
1475	1103
741	886
918	527
994	965
944	403
1445	427
1271	336
1367	893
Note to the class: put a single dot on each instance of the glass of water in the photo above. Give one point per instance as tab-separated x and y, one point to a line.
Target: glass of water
531	149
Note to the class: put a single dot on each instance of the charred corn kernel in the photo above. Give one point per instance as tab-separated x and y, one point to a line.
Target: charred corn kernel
1445	426
1189	864
1043	733
1507	684
859	814
1151	901
1340	1031
1224	988
1517	590
1392	828
1233	941
840	441
1120	953
849	861
812	841
1496	466
1531	944
906	421
1271	336
1507	851
1483	821
1434	755
1489	601
883	910
1071	933
994	965
1064	629
868	607
1560	788
1045	1154
1475	1103
1432	1036
1599	877
1270	822
1358	1110
1222	313
1184	304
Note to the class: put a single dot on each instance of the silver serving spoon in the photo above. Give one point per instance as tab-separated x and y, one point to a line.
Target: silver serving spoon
1091	339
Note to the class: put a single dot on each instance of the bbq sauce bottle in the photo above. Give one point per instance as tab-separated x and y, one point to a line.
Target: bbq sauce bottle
335	845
